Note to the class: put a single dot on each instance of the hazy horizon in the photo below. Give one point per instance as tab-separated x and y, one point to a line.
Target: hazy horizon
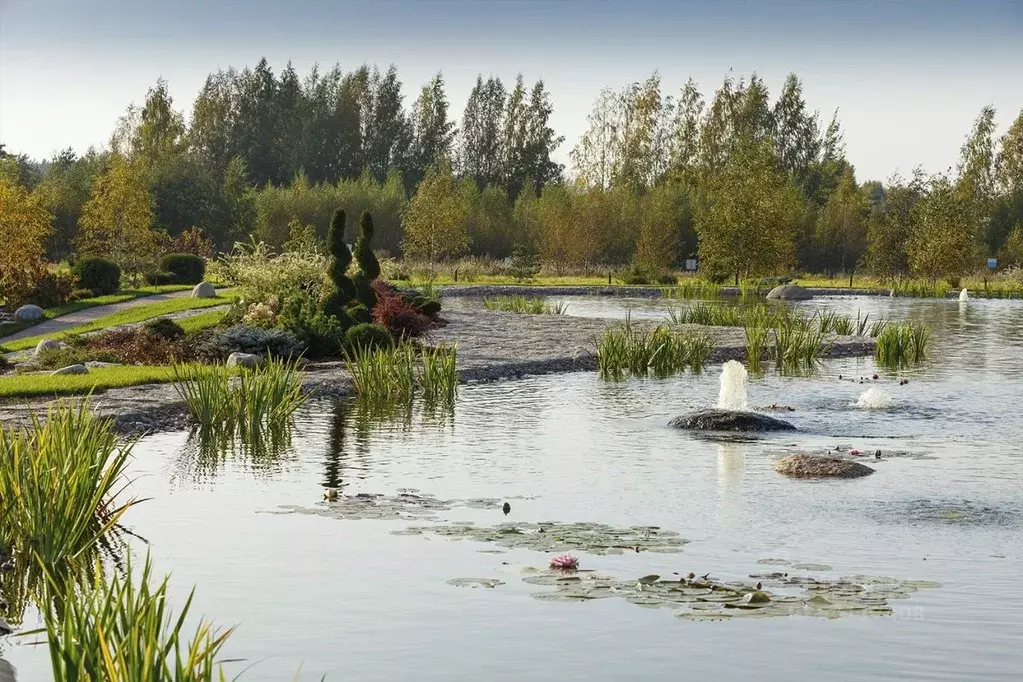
909	77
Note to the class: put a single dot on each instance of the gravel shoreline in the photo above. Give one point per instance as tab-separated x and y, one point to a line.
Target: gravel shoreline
492	346
481	290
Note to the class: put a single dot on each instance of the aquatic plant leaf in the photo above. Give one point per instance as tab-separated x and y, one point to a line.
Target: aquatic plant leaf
475	582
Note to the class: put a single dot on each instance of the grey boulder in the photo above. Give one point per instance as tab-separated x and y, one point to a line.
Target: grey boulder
29	313
71	369
789	292
204	290
46	345
247	360
810	466
742	421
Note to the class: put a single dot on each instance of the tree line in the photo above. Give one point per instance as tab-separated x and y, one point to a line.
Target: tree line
747	183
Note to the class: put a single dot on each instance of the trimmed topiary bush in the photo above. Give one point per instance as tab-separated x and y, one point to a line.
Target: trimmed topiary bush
360	314
343	287
369	267
368	336
187	268
427	306
99	275
160	278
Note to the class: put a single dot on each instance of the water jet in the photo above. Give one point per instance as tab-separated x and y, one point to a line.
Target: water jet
732	412
964	295
874	399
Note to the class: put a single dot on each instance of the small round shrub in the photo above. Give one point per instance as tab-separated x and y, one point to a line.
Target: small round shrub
160	278
401	318
187	268
667	279
99	275
165	328
368	336
428	306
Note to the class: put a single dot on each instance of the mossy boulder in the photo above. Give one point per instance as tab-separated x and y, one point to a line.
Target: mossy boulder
814	466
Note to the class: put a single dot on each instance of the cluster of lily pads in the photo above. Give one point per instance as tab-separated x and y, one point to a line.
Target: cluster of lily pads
554	537
703	598
406	505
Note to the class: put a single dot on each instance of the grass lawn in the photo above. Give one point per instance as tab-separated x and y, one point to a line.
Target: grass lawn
34	385
132	315
200	321
97	380
82	304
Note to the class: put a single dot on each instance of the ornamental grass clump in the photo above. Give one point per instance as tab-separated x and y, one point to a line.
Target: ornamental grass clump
521	304
438	374
660	353
218	396
902	344
122	630
62	485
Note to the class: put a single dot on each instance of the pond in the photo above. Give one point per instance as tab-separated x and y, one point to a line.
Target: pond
318	586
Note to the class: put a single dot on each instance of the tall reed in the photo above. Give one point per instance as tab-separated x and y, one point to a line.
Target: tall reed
122	630
756	343
902	344
214	396
521	304
382	373
661	352
62	485
438	376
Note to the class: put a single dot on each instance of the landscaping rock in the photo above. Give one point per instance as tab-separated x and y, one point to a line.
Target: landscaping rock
204	290
789	292
96	364
247	360
47	344
29	313
729	420
71	369
810	466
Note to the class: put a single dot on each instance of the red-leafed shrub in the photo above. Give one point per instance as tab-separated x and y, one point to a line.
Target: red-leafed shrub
140	346
400	317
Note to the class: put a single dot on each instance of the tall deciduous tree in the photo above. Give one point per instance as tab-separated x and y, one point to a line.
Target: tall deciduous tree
433	133
747	214
945	237
480	155
841	234
118	218
890	225
25	225
685	147
435	221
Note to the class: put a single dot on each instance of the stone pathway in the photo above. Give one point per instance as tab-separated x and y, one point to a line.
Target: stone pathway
65	322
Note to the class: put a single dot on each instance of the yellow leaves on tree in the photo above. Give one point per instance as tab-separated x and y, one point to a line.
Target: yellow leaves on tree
945	240
24	226
747	216
435	222
117	221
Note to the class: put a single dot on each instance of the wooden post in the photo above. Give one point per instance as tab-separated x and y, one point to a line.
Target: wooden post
609	278
456	275
850	278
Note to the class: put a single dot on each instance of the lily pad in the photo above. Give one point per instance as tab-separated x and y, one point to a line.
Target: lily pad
475	582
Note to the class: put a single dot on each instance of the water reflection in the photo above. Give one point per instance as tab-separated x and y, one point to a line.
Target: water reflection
265	449
731	469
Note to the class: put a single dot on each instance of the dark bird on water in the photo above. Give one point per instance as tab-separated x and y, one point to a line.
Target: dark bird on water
877	455
506	508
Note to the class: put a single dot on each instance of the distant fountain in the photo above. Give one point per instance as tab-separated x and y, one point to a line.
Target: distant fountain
733	387
964	295
732	412
874	399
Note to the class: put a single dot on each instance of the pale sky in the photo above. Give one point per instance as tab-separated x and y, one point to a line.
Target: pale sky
909	76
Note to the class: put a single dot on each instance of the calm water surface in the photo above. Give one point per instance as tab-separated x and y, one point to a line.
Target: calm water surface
349	599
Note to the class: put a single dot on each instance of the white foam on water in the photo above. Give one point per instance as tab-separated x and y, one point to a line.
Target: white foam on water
733	387
874	399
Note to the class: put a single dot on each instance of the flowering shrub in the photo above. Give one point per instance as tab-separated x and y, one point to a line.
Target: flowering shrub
262	277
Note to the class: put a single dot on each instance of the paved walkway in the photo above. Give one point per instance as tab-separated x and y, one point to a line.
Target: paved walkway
65	322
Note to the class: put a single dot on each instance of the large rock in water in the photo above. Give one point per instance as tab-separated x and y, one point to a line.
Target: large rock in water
729	420
789	292
811	466
29	313
204	290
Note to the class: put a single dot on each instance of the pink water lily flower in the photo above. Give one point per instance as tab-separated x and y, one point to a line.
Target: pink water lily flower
565	562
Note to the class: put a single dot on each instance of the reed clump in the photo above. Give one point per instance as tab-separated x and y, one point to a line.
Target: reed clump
902	344
122	630
661	352
395	374
62	484
521	304
218	396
